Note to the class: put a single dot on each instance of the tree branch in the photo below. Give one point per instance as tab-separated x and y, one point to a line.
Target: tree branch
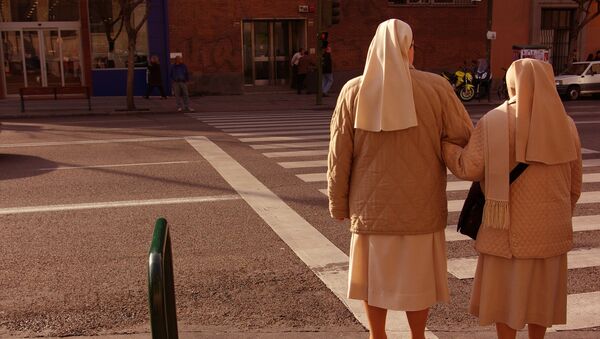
145	18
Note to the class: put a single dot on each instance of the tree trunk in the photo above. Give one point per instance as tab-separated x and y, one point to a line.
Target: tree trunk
130	73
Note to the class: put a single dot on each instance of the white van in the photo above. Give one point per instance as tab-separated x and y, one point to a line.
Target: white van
581	78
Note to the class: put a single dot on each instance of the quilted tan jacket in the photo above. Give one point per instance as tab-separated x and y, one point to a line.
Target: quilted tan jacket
542	199
395	182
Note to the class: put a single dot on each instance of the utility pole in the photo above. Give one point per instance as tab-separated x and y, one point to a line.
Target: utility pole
319	52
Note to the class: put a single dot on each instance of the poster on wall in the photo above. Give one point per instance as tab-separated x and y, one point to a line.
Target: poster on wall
531	52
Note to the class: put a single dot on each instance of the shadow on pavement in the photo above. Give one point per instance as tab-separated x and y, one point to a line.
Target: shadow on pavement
15	166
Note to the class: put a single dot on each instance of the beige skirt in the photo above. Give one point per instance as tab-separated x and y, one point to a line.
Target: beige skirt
398	272
520	291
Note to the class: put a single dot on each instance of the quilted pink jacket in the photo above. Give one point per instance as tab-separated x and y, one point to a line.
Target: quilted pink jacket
542	199
395	182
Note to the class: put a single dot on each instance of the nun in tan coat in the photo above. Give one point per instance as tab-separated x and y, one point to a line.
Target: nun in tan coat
521	275
386	174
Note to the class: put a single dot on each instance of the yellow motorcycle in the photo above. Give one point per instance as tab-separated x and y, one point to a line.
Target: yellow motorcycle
462	82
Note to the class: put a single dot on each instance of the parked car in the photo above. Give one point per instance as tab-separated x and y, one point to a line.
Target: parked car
581	78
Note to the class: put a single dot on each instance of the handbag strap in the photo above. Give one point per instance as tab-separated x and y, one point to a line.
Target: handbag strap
517	171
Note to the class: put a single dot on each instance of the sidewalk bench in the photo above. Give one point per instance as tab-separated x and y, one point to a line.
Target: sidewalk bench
55	93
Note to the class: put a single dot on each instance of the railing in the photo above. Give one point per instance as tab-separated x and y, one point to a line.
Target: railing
161	289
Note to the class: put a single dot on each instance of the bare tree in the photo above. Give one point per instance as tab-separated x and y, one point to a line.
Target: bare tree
584	15
132	26
109	21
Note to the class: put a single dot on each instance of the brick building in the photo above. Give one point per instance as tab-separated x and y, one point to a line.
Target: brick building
540	22
249	43
238	46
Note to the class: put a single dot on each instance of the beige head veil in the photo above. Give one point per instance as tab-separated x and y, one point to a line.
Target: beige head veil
543	133
385	98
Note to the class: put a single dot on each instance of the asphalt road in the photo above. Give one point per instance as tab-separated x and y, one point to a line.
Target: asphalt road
80	197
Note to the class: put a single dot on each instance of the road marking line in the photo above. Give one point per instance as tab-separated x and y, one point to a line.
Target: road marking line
327	261
591	162
588	151
89	142
313	177
464	268
592	197
295	154
292	145
270	139
580	224
273	128
259	116
458	186
587	122
303	164
466	185
582	312
266	119
117	165
274	133
453	235
584	223
113	204
280	121
324	191
272	124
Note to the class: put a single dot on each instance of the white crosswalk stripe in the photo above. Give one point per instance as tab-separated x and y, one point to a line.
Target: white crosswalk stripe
286	133
464	268
293	145
304	164
295	154
268	139
257	134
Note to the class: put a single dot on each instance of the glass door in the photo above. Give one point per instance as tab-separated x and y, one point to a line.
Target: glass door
262	52
268	47
40	58
53	66
281	45
12	60
34	77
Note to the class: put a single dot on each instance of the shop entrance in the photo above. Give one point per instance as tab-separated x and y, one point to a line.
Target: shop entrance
268	48
40	57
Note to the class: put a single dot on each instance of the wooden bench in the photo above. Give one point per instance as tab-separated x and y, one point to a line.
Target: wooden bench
55	93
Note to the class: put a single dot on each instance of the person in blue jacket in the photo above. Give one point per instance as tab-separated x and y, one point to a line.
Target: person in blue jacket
179	76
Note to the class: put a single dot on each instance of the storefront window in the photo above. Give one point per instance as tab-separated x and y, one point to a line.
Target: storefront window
39	10
109	38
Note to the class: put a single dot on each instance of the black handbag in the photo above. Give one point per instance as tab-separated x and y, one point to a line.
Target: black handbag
471	214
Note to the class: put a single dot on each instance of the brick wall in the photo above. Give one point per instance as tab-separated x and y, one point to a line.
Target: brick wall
208	33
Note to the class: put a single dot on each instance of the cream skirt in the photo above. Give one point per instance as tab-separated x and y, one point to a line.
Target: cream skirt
398	272
520	291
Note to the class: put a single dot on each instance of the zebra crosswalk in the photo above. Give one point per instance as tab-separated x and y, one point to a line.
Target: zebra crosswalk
298	142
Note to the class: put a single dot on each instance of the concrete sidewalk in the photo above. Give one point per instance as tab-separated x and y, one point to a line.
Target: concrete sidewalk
276	101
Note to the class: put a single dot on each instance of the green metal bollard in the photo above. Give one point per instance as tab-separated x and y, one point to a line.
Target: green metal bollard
161	288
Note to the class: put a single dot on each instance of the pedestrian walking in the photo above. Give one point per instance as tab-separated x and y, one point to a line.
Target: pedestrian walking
179	77
386	174
154	78
521	275
305	64
327	71
294	63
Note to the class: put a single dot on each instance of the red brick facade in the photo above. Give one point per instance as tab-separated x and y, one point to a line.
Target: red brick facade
209	34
